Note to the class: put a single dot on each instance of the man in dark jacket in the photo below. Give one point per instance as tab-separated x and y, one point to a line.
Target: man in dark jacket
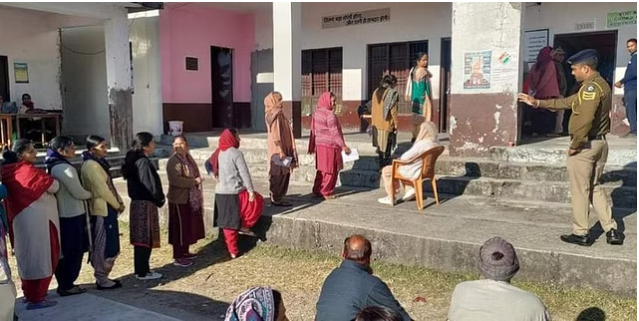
352	286
629	85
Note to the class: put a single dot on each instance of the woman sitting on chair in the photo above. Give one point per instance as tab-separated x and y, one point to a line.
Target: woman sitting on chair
425	140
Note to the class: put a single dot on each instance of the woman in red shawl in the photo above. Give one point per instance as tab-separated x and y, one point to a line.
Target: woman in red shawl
237	206
544	85
33	221
327	143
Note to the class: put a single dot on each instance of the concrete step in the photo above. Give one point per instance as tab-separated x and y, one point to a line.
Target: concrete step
478	177
621	153
448	237
361	142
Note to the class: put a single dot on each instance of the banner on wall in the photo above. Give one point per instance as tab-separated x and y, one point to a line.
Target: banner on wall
621	18
21	71
356	18
477	69
534	41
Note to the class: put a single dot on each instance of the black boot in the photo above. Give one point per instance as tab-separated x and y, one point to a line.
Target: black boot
614	237
582	240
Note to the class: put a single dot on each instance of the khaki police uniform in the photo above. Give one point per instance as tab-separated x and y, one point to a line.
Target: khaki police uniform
588	126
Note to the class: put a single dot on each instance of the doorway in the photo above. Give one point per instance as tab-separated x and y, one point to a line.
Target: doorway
606	45
604	42
222	87
444	85
4	78
395	59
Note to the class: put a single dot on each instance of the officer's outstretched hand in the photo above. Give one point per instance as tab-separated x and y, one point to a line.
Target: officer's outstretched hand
528	100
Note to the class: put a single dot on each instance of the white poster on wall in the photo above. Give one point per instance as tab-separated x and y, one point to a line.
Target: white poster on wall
534	41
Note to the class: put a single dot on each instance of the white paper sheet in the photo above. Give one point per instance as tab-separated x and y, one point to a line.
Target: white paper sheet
353	156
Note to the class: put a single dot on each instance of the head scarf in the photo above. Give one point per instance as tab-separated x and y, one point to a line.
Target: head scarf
54	158
324	101
543	57
428	131
498	260
227	140
255	304
272	107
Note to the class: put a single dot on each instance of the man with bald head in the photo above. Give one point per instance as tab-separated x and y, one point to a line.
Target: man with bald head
352	286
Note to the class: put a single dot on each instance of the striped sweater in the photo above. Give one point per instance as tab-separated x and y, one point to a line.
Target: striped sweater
327	130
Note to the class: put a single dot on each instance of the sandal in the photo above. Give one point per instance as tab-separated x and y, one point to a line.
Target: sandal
281	204
73	291
246	231
41	305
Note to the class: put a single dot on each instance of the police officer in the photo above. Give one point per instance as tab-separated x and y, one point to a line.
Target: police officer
588	151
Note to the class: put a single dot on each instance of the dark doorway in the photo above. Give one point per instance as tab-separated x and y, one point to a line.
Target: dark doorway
444	85
606	45
222	87
4	78
604	42
396	59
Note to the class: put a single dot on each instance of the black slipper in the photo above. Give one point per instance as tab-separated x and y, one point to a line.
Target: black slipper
282	204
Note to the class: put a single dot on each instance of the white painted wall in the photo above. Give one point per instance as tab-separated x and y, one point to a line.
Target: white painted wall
147	94
408	22
35	43
561	19
84	82
499	35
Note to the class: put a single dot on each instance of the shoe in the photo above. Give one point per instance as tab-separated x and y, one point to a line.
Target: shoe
385	200
582	240
246	231
409	196
116	285
190	256
330	197
73	291
183	262
41	305
614	237
149	276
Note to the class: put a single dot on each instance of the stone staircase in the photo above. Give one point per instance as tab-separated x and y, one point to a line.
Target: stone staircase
508	174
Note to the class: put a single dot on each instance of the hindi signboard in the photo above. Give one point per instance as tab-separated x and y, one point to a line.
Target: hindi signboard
621	18
535	40
356	18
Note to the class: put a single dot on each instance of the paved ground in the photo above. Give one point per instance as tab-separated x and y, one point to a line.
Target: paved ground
89	307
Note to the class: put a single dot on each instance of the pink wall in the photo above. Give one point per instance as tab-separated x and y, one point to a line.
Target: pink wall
190	31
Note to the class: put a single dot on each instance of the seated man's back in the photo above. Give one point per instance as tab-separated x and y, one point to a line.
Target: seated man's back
490	300
350	288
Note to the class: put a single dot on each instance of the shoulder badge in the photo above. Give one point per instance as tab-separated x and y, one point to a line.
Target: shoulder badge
589	92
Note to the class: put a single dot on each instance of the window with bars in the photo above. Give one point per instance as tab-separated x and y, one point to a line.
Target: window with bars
321	72
396	59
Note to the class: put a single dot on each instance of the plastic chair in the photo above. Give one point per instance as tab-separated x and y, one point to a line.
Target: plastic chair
429	158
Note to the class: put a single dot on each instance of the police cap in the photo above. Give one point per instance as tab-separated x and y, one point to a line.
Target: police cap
583	56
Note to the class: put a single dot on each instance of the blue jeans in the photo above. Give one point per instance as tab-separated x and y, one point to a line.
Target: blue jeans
630	98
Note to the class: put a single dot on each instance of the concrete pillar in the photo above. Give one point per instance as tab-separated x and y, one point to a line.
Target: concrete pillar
486	76
116	38
287	59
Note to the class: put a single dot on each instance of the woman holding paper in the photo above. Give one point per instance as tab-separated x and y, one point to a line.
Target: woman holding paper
426	139
282	153
327	143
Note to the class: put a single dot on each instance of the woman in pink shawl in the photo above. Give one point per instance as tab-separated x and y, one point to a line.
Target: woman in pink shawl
327	143
543	85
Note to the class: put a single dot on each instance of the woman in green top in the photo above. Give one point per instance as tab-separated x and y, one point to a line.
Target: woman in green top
419	92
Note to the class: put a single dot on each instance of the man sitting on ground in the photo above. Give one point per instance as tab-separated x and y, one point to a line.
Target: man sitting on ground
352	286
494	298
